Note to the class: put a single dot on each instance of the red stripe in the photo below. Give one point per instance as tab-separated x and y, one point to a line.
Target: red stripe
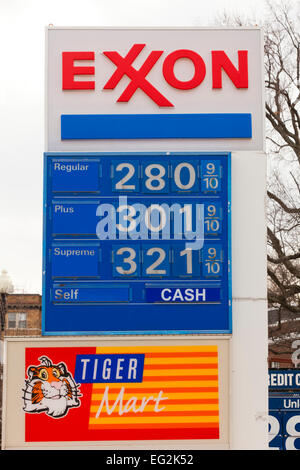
155	434
158	389
185	401
153	414
180	366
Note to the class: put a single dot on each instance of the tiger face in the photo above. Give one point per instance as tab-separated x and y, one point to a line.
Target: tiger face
50	389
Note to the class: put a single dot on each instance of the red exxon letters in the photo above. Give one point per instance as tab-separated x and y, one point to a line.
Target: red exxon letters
138	77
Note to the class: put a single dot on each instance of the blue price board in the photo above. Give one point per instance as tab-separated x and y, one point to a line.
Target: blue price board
136	243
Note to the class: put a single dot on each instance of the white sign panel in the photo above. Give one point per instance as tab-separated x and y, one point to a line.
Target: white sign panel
150	89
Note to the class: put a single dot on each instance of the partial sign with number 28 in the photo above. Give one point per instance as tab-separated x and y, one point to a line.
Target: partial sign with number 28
284	430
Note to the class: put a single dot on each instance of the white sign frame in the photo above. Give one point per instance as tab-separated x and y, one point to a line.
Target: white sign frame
99	101
13	430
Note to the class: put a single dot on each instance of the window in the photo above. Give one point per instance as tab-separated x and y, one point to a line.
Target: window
22	320
275	365
16	320
12	320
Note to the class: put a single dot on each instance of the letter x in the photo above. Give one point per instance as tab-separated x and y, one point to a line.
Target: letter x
137	77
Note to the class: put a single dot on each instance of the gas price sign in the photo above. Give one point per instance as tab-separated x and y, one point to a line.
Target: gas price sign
137	243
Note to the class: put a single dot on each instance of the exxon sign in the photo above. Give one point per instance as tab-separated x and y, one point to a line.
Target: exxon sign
154	89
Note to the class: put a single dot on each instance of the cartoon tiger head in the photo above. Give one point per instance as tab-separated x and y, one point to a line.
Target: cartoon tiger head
50	388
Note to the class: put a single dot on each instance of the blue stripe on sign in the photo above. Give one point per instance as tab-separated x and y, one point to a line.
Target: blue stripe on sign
156	126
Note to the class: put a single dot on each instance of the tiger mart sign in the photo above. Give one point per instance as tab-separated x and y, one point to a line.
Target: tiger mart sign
110	393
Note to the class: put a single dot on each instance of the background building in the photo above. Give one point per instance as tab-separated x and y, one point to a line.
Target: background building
21	315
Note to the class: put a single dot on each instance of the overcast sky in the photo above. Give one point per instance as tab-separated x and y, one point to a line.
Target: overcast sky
22	24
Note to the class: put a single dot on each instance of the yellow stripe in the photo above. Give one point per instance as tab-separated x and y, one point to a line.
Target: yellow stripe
166	372
150	408
164	386
158	349
171	396
150	419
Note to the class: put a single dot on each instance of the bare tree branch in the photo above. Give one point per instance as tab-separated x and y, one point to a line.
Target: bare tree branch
289	210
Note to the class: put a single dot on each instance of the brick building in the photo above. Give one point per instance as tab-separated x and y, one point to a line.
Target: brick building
284	339
23	315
